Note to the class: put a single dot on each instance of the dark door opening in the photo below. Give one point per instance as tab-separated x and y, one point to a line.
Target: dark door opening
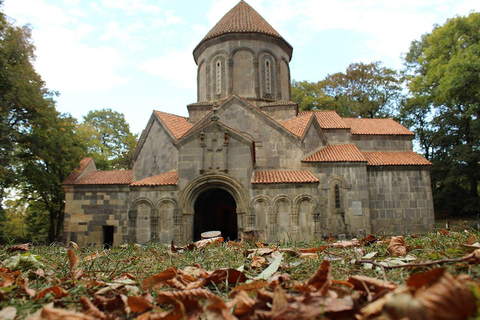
215	209
108	236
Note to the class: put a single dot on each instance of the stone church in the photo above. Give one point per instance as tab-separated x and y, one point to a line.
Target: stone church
247	159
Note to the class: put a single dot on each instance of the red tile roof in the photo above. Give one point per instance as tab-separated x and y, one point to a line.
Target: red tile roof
298	124
367	126
78	171
163	179
176	124
384	158
337	153
329	119
241	19
277	176
106	177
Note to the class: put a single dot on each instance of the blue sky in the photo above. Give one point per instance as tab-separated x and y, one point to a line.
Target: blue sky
135	56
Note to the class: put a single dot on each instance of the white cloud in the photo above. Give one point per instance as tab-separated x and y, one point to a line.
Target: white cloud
131	6
70	66
176	67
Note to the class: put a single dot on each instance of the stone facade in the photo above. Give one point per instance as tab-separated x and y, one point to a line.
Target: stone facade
246	159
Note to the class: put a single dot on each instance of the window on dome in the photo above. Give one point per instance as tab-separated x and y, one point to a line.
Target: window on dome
218	75
268	83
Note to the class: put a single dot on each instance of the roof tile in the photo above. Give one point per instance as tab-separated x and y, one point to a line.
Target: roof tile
73	176
176	124
278	176
241	19
163	179
106	177
367	126
404	158
337	153
298	124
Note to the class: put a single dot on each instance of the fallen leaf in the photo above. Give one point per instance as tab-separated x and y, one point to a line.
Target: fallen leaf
271	269
19	247
232	276
241	304
49	313
74	245
258	262
367	240
397	246
94	256
321	280
201	244
8	313
371	285
72	259
313	250
217	309
140	303
158	280
57	291
90	309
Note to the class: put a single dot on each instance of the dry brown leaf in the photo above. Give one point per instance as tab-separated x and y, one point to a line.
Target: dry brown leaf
8	313
232	276
19	247
23	283
397	246
321	280
201	244
280	299
313	250
241	304
217	310
140	303
475	257
89	309
74	245
159	280
169	296
367	240
94	256
471	240
49	313
371	285
444	297
248	287
345	244
73	260
56	290
258	262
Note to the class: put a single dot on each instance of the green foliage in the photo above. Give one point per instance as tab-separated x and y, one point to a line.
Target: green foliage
38	145
364	90
443	73
37	222
12	228
108	138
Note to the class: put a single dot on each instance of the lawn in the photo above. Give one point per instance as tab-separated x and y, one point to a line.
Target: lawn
433	276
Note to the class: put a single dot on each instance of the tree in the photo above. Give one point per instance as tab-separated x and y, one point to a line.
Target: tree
108	139
443	72
38	146
364	90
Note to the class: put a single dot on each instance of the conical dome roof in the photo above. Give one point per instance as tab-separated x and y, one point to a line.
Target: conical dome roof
241	19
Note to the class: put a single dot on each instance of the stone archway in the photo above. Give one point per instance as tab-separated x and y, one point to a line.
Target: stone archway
198	187
215	209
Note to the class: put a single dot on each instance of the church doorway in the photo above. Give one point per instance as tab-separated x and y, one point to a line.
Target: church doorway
215	209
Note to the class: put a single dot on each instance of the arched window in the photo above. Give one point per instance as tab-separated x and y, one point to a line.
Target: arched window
218	76
338	203
268	82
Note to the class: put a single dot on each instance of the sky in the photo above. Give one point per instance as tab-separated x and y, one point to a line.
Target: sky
135	56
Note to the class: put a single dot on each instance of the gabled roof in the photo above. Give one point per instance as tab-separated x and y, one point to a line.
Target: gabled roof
163	179
297	125
241	19
73	176
176	124
395	158
367	126
337	153
279	176
117	177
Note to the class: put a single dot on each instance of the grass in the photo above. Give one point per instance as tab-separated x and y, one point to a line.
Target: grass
141	262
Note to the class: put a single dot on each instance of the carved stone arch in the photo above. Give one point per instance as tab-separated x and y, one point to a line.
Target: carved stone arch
268	73
261	198
282	197
207	182
202	80
139	219
304	219
235	50
281	215
336	195
271	53
166	209
219	74
284	80
258	219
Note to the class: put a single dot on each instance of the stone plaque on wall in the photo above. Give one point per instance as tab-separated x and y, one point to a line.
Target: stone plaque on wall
357	208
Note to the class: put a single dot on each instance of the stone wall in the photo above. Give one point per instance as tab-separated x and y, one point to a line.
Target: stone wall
338	136
400	199
158	154
382	142
89	209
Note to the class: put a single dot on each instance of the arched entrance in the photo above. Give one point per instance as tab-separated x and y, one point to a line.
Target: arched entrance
215	209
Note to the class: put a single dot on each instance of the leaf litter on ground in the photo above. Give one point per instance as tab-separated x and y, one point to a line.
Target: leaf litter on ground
234	280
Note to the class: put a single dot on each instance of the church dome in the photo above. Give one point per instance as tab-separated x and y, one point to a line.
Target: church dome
242	19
